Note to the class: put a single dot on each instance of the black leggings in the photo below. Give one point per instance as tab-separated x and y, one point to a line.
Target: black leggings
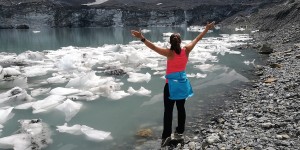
168	114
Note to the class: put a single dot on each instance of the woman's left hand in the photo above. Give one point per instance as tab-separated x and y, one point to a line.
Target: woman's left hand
137	34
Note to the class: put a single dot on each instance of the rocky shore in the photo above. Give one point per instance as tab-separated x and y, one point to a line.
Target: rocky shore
265	115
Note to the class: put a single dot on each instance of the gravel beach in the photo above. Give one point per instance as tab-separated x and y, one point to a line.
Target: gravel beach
265	115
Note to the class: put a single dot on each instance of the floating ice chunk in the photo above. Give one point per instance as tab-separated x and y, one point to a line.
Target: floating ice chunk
63	91
13	81
57	79
115	95
138	77
70	108
67	63
33	135
75	129
95	134
141	91
29	55
198	75
16	94
247	62
11	71
240	29
145	30
36	31
16	142
97	2
39	91
89	132
47	103
33	71
87	81
83	95
168	34
197	29
234	52
5	114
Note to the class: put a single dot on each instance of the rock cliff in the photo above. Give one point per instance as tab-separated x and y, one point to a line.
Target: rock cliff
74	13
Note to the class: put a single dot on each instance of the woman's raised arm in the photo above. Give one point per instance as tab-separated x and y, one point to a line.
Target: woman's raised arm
159	50
189	47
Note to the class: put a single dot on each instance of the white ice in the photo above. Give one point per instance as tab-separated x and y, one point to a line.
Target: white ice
97	2
6	114
57	79
247	62
116	95
16	94
141	91
31	132
64	91
48	103
70	108
90	133
138	77
16	142
40	91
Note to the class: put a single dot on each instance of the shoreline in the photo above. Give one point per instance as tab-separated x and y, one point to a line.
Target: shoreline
265	115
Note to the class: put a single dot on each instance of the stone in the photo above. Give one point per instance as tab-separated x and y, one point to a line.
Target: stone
265	49
213	138
275	65
144	133
23	26
270	80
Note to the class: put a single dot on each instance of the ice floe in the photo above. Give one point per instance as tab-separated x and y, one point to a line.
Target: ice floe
138	77
90	133
70	108
64	91
48	103
6	114
141	91
15	95
33	134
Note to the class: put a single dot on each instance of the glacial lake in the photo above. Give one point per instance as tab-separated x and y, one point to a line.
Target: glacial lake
216	63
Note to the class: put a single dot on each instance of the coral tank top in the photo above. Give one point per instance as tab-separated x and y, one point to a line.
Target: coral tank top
178	63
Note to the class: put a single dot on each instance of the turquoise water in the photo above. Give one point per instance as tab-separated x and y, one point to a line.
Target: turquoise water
124	117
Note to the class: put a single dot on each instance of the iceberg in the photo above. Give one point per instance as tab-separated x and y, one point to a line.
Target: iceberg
39	91
115	95
33	134
5	114
70	108
16	94
138	77
48	103
90	133
57	79
141	91
64	91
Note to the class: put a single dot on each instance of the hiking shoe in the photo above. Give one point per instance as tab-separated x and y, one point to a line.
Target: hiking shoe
165	142
178	136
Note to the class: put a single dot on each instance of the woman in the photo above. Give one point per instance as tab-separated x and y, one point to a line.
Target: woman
177	58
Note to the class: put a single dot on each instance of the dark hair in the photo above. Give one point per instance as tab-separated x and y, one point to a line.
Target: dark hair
175	42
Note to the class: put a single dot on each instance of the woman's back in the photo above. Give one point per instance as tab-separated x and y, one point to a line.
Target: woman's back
177	63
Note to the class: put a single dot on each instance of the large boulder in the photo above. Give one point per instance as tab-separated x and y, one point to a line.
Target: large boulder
265	49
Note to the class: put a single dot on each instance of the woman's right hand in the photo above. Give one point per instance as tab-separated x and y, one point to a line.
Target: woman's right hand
210	26
137	34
